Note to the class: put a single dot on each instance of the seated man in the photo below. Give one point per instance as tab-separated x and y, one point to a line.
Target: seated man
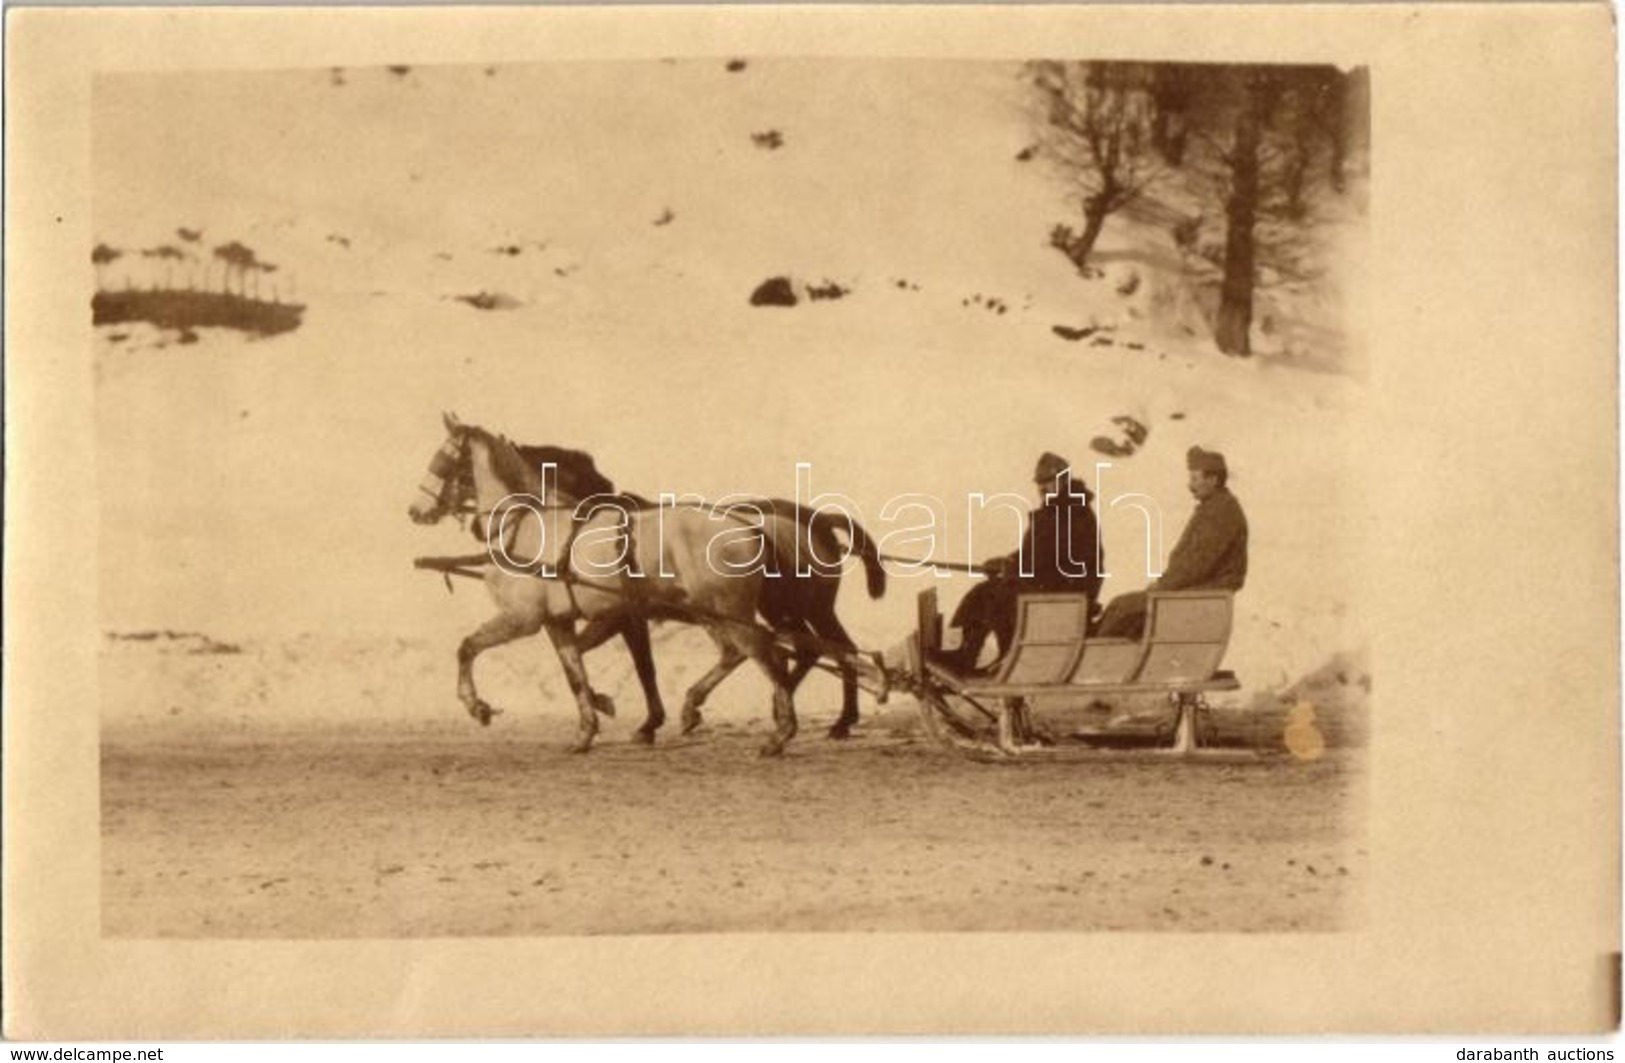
1059	552
1211	552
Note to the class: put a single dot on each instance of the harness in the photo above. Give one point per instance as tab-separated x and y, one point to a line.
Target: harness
451	465
564	573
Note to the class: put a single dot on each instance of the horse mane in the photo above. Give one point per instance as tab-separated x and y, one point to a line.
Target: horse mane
578	473
506	463
579	477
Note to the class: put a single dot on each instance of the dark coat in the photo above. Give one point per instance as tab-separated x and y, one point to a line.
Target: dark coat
1212	551
1062	548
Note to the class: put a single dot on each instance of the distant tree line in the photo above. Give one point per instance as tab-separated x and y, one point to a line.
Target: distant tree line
240	268
1249	143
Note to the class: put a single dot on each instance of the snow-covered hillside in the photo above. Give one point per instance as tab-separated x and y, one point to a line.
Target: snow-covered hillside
258	489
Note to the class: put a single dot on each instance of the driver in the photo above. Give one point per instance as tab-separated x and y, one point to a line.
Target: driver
1060	552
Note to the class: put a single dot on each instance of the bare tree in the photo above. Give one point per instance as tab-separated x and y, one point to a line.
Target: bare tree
1097	129
1259	93
103	256
1314	130
168	254
236	256
1348	113
1259	135
267	268
1173	85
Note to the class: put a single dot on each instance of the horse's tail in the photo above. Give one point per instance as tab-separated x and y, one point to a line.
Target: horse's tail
860	544
822	524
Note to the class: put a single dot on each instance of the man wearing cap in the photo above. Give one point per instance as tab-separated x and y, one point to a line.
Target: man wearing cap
1059	552
1211	552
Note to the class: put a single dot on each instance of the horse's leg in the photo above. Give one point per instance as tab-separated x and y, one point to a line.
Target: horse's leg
829	628
730	659
796	646
563	638
759	647
805	660
635	632
808	652
504	627
593	634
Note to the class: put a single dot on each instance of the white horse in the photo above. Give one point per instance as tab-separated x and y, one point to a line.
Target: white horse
682	561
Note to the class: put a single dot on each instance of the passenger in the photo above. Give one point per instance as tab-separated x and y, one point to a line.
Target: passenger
1211	552
1060	552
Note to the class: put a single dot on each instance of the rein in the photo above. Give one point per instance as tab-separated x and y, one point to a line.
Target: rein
951	566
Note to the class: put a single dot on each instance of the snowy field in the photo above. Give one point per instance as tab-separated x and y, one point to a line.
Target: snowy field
254	492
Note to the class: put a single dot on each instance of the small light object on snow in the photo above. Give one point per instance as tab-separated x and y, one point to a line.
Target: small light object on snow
1302	736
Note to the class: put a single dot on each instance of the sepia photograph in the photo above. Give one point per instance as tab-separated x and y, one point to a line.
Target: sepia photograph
718	500
922	421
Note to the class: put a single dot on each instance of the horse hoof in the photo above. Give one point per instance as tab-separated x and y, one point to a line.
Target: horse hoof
604	704
483	712
774	748
692	721
840	732
643	738
581	746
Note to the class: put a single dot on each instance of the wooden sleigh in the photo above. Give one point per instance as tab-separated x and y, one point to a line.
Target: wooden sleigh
1053	665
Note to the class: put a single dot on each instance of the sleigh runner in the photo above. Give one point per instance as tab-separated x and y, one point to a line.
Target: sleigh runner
1053	665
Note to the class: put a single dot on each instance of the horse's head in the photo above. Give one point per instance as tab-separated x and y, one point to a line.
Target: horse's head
448	483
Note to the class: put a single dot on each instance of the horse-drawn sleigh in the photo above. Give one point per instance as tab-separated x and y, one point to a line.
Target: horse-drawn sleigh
787	626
